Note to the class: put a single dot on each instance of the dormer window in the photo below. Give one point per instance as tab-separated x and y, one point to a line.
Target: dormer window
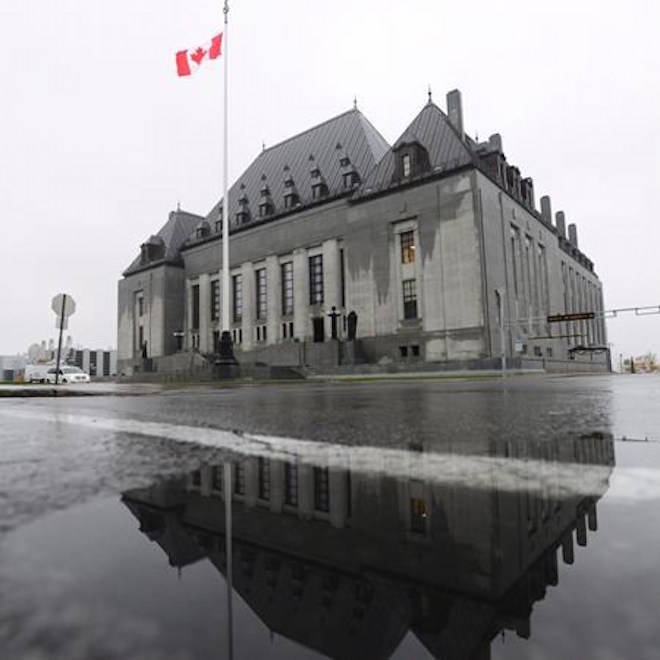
319	189
351	179
345	161
411	160
152	249
243	216
405	165
265	208
291	199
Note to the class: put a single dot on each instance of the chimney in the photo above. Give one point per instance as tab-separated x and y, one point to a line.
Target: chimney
529	183
495	142
572	234
561	224
546	210
455	110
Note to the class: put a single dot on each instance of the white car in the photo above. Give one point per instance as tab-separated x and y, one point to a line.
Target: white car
68	375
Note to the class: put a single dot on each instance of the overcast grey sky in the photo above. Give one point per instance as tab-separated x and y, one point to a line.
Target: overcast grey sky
99	139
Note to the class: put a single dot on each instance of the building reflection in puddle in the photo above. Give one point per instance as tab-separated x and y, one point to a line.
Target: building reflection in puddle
348	563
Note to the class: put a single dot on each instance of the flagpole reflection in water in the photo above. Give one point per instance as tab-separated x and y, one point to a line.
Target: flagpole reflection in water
228	541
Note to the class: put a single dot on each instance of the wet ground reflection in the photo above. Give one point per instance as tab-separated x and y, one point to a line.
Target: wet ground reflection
350	564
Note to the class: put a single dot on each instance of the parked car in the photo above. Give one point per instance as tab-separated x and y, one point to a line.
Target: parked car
68	375
35	373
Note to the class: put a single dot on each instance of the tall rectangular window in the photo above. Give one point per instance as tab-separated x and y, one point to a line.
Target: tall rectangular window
195	306
316	279
239	479
407	239
287	288
342	275
215	300
291	484
237	290
261	293
264	478
515	239
216	478
529	270
321	489
141	306
409	299
543	276
405	165
418	515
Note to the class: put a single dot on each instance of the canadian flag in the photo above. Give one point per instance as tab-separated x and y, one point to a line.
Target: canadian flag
188	61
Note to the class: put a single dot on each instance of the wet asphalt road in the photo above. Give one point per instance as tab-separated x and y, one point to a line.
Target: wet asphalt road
65	455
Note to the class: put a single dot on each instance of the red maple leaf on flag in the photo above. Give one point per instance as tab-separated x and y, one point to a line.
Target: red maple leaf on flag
198	55
189	60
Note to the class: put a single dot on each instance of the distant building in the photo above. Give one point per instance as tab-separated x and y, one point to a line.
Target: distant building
11	366
432	249
96	362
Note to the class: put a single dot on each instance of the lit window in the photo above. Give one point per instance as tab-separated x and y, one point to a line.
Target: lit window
407	247
405	165
409	299
418	515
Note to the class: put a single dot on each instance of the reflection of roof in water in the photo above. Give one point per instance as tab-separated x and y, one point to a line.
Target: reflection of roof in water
354	587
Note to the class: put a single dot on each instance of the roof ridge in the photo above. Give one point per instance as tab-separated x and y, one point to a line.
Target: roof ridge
308	130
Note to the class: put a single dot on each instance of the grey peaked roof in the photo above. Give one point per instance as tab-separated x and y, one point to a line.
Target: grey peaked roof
173	233
347	135
433	130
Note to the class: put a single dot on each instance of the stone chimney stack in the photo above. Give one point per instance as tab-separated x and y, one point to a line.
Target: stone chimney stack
572	234
495	142
455	110
561	224
546	210
529	183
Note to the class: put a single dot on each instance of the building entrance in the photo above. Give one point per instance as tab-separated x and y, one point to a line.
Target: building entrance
319	328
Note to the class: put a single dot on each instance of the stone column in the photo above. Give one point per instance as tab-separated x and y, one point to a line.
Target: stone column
337	485
305	491
276	486
204	314
301	321
247	271
251	478
274	298
331	282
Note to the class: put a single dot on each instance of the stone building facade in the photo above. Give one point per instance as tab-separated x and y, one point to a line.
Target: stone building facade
433	248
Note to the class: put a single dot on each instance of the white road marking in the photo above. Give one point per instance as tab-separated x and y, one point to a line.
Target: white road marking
553	479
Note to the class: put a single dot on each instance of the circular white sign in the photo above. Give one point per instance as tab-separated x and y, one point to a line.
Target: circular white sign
69	304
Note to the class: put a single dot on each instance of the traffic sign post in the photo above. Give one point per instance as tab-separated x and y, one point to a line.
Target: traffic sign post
63	305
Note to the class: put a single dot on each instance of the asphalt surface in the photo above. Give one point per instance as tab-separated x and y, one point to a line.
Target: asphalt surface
64	462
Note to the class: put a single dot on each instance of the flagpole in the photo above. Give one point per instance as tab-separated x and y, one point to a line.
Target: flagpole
226	358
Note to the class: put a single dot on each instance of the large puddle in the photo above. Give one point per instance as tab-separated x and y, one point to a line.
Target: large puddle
284	550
